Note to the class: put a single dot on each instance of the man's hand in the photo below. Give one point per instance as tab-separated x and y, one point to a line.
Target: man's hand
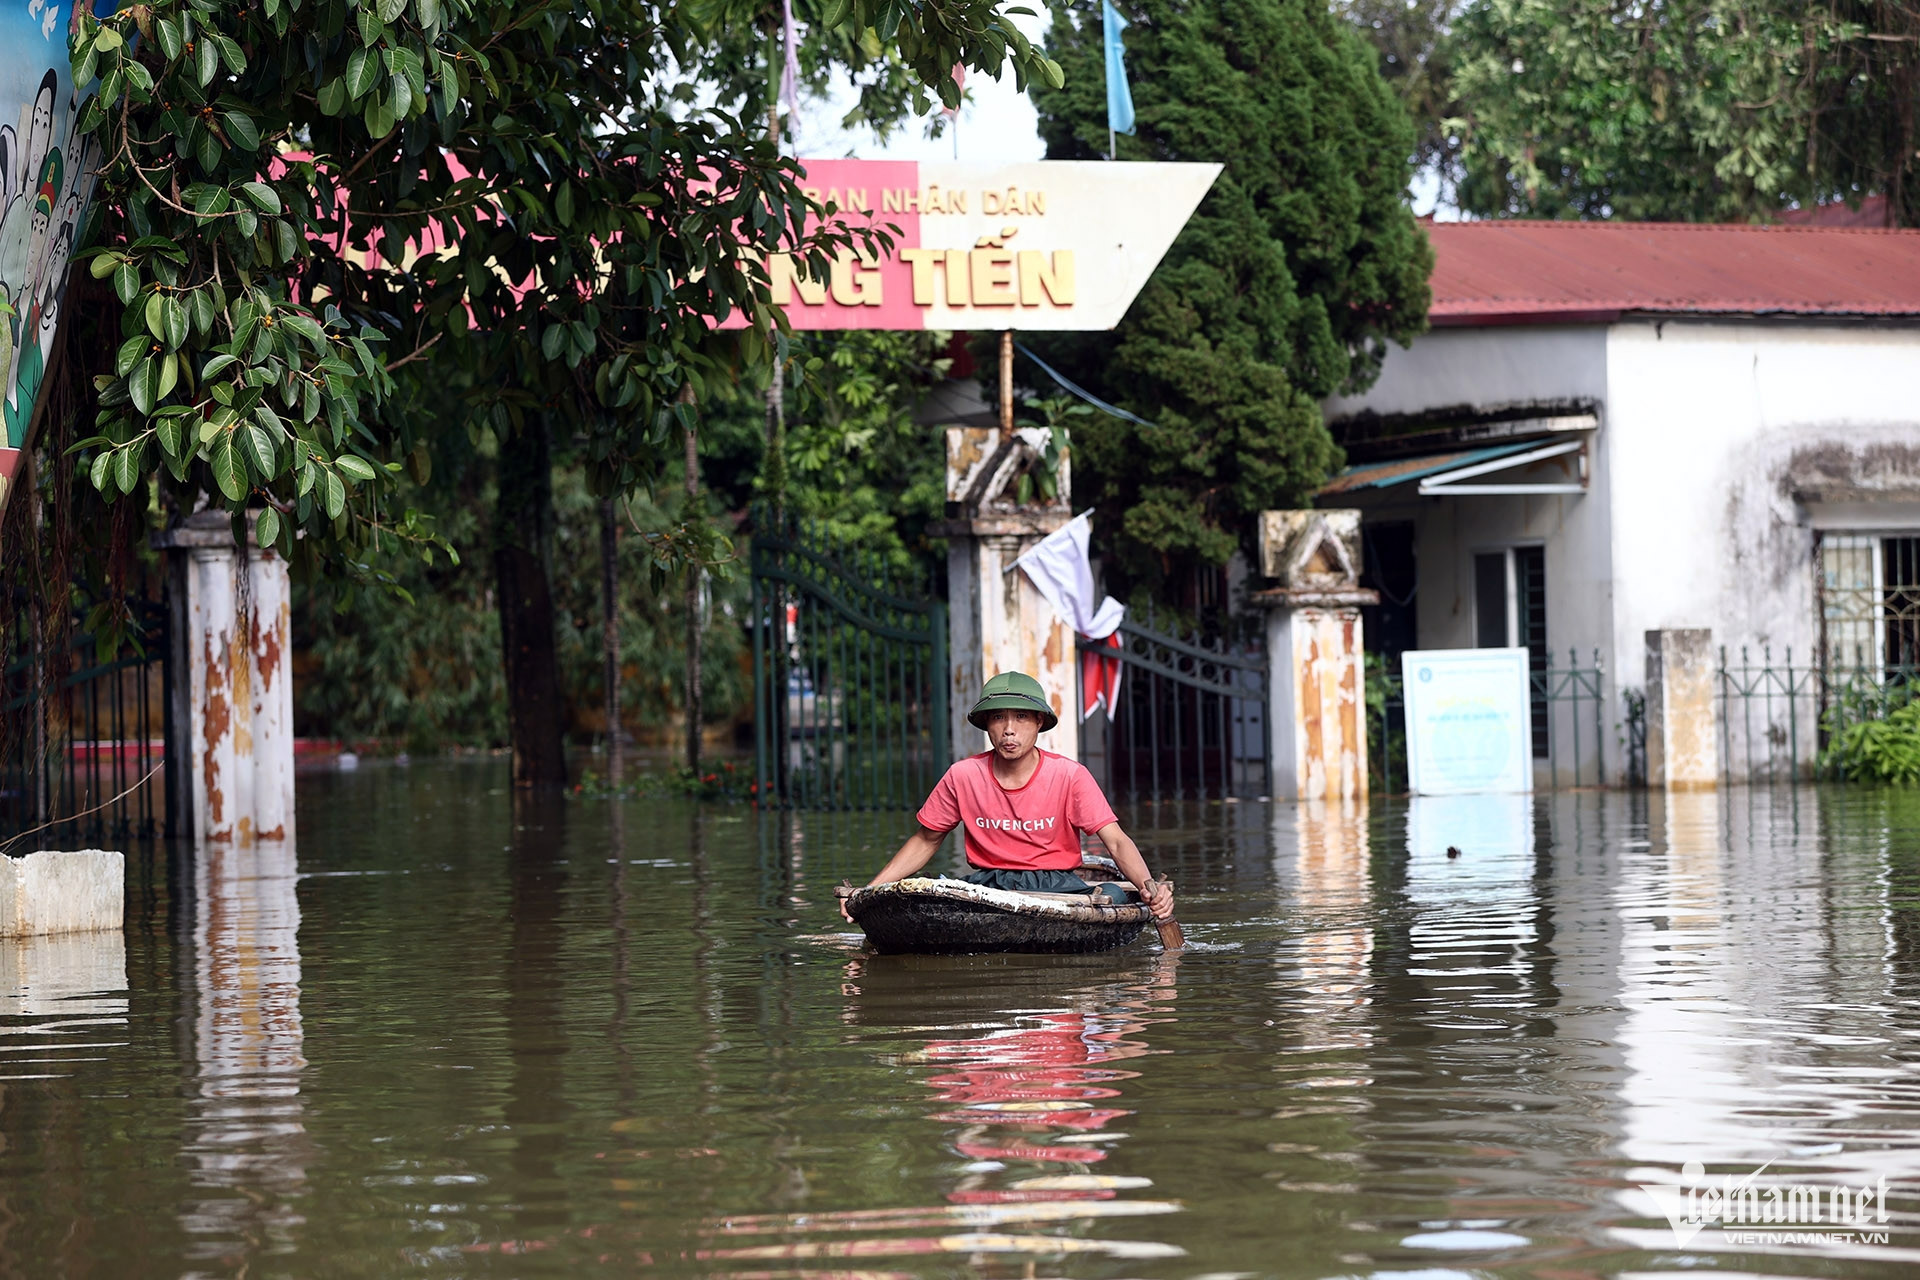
841	893
1158	895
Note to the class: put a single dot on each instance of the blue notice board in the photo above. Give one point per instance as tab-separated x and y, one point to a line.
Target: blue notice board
1467	721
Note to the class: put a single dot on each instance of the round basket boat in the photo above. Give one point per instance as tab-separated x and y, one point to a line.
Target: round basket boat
925	916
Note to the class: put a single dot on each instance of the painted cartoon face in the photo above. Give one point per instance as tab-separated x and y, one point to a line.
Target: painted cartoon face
43	109
38	123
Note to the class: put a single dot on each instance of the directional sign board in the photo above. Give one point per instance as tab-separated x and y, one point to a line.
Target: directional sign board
1468	726
1046	245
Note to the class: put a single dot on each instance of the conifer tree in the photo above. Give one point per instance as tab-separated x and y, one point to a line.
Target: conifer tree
1299	267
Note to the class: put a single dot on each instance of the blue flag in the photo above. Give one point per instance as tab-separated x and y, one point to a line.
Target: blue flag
1119	96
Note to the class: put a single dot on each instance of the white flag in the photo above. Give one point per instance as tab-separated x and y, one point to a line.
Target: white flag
1060	571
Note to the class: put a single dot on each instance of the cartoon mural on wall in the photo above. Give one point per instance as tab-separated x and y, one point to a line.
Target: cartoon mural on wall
46	177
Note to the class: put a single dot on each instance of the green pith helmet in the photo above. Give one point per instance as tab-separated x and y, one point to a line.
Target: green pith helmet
1013	691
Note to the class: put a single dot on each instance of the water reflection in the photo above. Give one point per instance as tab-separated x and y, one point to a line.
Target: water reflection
639	1039
1761	1036
1328	881
245	1142
1026	1091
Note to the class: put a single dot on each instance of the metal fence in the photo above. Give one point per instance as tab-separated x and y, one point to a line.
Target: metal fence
1190	718
82	736
849	676
1780	719
1568	711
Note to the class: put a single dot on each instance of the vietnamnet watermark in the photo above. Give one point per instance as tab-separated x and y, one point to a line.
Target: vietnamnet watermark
1746	1213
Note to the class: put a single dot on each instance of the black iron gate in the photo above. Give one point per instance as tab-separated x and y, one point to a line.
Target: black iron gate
82	736
1190	719
849	676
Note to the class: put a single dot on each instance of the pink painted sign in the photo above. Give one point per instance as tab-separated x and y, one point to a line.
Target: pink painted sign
1048	245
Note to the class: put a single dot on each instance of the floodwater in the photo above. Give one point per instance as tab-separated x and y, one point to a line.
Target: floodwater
446	1038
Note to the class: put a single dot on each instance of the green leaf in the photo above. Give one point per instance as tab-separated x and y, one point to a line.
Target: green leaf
177	320
256	442
206	61
427	12
363	69
168	32
358	468
552	340
156	314
140	384
563	204
126	283
106	40
172	435
266	530
335	494
169	376
217	365
101	470
287	239
378	117
102	266
242	130
246	220
130	351
333	96
371	32
230	52
389	10
126	467
307	328
202	306
262	195
228	473
402	97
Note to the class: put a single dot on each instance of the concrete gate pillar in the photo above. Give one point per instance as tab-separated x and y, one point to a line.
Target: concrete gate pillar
1683	733
996	620
231	696
1316	661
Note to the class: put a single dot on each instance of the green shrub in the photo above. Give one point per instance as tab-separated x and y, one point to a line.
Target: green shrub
1884	750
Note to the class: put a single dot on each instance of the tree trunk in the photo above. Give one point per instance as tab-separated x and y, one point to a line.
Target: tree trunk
696	713
522	528
610	634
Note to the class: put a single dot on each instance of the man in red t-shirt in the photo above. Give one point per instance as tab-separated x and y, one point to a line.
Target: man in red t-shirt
1022	808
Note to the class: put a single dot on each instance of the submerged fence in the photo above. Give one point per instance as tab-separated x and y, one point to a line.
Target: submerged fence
82	736
849	675
1189	720
1781	720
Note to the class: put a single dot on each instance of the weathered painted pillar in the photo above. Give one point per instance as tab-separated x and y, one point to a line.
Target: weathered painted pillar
996	619
1316	661
1683	733
232	694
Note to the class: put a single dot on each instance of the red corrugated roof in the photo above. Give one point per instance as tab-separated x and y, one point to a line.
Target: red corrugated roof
1529	272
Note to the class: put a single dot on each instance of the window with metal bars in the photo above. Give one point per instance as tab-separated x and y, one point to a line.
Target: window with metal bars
1870	603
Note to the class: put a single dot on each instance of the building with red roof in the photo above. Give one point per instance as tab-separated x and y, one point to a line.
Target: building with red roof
1617	428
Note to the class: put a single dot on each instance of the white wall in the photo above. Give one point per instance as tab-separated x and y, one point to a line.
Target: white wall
1712	430
1488	368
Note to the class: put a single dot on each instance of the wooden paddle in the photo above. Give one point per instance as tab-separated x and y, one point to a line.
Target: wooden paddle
1171	936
